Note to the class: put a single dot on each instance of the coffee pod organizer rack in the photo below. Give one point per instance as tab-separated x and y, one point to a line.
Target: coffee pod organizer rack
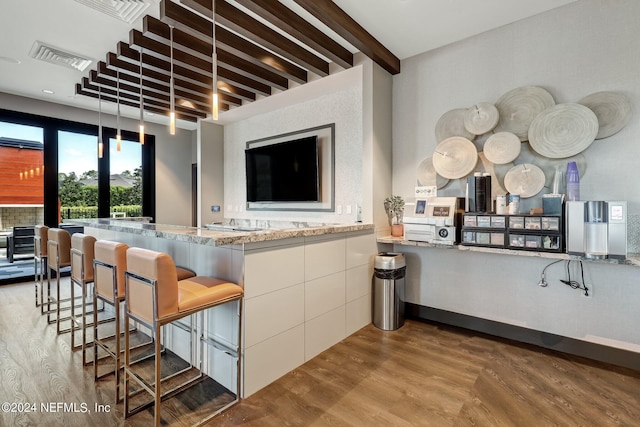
542	233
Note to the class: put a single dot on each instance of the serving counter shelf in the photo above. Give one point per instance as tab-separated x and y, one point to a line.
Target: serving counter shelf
632	259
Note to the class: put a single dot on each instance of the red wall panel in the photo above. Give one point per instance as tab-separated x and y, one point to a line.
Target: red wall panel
26	191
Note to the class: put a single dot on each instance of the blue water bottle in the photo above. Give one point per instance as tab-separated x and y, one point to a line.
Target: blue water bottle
573	182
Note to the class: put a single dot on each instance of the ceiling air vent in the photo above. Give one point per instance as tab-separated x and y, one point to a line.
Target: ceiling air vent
55	55
124	10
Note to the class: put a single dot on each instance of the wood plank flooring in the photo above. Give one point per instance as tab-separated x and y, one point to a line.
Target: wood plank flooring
421	375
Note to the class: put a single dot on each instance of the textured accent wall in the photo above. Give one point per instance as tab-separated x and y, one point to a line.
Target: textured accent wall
344	108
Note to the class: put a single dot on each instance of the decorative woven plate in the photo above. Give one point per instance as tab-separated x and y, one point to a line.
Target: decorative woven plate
455	157
451	123
427	174
612	109
518	108
563	131
502	147
481	118
526	180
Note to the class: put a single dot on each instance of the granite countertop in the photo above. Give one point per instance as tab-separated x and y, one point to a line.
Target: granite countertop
632	258
219	237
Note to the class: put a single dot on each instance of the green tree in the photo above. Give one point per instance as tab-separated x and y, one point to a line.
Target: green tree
134	194
90	195
92	174
70	190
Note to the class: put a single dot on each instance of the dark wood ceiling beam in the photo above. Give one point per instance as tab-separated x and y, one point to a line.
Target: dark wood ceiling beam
226	41
246	26
345	26
287	20
81	91
225	59
123	95
163	51
238	21
246	69
242	48
130	71
132	56
202	102
159	31
234	90
243	82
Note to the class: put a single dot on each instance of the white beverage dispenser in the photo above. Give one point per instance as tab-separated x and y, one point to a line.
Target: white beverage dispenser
597	229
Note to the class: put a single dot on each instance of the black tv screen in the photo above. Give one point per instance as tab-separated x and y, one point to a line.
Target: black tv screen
283	172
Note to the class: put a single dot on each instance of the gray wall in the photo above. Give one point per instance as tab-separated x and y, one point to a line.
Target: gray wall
210	152
173	153
573	51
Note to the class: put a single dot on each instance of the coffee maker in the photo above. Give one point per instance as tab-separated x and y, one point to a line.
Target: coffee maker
597	229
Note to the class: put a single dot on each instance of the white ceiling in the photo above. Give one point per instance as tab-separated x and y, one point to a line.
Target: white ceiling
406	27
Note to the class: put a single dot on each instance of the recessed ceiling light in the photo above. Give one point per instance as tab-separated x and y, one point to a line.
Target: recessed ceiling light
9	60
48	91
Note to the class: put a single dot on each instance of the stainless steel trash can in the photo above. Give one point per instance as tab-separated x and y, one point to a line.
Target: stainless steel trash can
388	290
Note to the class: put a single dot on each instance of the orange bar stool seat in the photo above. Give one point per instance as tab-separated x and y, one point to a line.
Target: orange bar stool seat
82	252
58	257
155	298
39	262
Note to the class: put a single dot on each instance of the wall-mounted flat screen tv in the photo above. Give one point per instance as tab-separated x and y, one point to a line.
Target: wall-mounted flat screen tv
284	172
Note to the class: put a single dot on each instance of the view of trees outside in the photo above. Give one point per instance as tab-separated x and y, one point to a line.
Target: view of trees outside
78	177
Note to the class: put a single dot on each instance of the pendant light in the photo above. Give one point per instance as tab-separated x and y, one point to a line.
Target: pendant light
118	133
100	144
214	65
172	97
141	127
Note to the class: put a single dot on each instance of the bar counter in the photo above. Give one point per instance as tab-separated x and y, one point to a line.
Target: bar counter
306	287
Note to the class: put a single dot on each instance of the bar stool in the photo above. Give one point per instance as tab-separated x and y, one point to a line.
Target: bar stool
39	262
110	263
155	298
82	275
58	257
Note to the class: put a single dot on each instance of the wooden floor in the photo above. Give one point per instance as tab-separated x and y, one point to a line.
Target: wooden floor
421	375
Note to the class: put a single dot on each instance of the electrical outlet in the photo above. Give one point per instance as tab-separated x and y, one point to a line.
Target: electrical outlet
339	209
348	209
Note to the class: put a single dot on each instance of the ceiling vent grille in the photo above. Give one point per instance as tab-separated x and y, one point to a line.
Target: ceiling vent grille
124	10
54	55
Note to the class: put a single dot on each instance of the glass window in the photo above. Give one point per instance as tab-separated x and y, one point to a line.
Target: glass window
125	178
77	175
21	193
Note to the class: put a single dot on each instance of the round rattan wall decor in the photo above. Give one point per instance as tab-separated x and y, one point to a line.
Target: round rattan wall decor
502	147
455	157
481	118
451	124
563	130
519	107
612	109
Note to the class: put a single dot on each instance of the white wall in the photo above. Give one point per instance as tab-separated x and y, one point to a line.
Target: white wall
340	102
173	153
573	51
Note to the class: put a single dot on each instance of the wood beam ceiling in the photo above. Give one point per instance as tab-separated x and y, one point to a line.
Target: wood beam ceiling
253	59
335	18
